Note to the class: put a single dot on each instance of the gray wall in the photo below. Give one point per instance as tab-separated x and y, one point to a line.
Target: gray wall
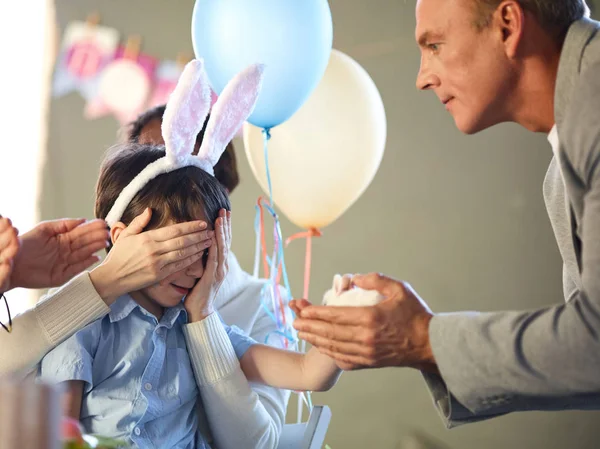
461	218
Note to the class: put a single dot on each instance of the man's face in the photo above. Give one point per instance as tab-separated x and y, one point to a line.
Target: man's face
467	68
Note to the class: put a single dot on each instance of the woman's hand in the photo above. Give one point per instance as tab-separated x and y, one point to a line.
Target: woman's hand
139	259
199	302
9	247
55	251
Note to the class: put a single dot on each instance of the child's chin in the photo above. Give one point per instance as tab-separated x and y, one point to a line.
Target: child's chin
171	300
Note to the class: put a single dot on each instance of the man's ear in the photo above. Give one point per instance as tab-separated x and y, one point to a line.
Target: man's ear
116	230
511	18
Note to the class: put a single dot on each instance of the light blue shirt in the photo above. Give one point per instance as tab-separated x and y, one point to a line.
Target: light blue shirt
139	383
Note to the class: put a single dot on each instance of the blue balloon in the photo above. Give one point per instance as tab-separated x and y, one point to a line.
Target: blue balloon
293	38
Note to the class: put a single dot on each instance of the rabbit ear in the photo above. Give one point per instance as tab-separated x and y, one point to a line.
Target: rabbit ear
230	111
186	111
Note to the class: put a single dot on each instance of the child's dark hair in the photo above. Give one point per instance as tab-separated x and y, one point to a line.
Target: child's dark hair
226	168
184	194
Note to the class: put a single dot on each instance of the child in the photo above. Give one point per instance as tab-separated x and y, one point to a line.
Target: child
130	375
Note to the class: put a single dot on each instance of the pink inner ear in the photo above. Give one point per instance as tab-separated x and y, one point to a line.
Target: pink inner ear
186	110
232	108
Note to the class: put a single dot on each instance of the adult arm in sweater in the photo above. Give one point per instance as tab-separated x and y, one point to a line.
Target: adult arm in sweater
228	400
55	318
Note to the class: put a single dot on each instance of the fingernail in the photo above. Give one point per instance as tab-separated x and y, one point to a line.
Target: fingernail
202	225
107	244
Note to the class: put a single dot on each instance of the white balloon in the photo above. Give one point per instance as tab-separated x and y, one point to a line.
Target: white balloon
325	156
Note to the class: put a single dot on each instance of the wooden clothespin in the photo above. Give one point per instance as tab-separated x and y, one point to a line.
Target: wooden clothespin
182	59
132	47
93	19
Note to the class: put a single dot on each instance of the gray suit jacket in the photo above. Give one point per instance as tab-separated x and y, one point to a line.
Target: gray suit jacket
547	359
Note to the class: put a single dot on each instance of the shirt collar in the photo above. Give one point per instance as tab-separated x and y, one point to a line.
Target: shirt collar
553	139
125	305
122	308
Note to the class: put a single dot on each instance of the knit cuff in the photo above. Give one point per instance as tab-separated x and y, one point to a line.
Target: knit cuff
211	351
67	310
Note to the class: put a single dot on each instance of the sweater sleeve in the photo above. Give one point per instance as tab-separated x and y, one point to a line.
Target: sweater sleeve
56	317
229	402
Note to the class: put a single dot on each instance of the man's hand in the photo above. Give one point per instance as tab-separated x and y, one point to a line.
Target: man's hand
55	251
391	333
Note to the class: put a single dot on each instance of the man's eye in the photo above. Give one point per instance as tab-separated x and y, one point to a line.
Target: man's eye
434	47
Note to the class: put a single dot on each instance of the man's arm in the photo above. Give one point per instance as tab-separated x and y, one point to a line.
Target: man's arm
547	359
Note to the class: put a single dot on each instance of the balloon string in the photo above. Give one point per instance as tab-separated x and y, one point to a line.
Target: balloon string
262	237
266	132
257	226
275	269
308	235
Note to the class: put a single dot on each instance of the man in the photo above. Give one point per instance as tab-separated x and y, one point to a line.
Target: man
238	303
536	63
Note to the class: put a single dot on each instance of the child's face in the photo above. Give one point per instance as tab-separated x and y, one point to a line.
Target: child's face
171	290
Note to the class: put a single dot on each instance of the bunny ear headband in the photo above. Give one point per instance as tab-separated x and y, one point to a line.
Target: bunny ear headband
184	116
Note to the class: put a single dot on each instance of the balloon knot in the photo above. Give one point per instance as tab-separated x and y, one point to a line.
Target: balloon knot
267	133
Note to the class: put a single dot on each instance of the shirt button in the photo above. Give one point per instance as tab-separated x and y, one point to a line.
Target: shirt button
160	330
148	386
137	431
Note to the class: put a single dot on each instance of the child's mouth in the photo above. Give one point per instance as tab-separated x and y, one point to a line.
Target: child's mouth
180	290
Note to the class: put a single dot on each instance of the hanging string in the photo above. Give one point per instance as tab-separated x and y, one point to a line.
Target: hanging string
313	232
273	302
308	235
266	132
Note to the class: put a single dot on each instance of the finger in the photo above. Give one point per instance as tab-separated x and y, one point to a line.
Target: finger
11	251
184	253
212	261
138	224
176	230
8	237
358	316
201	240
87	251
328	331
375	281
228	229
345	283
221	242
353	362
334	347
66	224
5	223
179	265
78	267
341	347
91	235
300	303
294	308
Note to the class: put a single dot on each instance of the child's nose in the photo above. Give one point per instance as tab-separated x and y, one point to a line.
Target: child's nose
196	269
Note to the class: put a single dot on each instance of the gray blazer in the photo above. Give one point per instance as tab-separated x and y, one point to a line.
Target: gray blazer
547	359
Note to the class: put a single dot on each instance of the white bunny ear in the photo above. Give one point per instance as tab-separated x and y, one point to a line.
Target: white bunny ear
186	111
233	107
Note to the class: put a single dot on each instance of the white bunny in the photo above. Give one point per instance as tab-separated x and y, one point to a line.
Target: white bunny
343	293
184	116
